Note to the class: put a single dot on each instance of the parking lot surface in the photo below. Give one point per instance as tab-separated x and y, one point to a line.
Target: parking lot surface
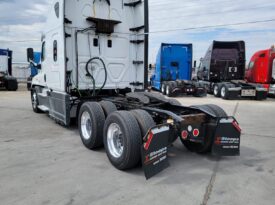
44	163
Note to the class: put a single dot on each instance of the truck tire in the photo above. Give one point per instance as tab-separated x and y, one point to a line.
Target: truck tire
11	85
29	83
91	120
217	110
108	107
145	121
211	108
217	90
207	146
195	147
174	102
169	88
201	90
225	92
122	140
163	88
35	102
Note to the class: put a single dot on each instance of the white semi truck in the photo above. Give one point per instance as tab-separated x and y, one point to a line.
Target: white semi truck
94	69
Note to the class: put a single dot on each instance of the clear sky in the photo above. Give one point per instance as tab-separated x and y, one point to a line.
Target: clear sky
24	20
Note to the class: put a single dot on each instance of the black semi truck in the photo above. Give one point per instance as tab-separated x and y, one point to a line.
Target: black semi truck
222	71
6	80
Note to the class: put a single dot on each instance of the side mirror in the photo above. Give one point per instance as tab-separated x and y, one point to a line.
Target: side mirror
30	54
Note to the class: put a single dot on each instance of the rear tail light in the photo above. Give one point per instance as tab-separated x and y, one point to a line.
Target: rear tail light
196	132
184	134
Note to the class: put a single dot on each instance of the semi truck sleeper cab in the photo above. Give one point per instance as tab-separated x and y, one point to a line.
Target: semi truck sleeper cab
94	69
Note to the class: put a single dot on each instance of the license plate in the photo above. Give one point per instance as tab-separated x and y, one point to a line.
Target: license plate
249	93
271	91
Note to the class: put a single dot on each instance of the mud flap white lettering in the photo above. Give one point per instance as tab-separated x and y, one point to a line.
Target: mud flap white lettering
154	150
227	138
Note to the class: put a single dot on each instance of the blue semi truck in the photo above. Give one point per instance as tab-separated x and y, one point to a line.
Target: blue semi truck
173	71
6	79
34	66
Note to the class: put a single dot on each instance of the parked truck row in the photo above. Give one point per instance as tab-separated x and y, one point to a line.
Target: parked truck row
222	71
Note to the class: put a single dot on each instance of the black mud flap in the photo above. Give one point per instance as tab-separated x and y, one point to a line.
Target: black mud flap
154	150
227	138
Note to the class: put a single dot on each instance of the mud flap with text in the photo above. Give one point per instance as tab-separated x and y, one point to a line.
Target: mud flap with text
154	150
227	138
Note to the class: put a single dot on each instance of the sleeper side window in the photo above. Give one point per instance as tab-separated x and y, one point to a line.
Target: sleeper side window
55	51
251	64
56	9
43	51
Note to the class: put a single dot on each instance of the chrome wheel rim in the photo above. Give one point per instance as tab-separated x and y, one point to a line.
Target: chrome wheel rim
216	90
162	89
223	91
167	90
34	99
86	125
115	140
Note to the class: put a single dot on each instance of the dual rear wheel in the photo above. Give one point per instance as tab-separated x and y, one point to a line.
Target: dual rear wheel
120	132
221	90
167	88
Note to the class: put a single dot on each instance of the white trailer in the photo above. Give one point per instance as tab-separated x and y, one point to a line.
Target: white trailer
94	69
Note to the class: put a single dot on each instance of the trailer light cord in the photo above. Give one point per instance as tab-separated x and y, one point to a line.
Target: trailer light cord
92	77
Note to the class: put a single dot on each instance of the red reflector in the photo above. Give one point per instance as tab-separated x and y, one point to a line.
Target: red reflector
237	126
184	134
196	132
149	140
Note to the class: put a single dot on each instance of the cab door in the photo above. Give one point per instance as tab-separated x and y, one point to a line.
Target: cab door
53	53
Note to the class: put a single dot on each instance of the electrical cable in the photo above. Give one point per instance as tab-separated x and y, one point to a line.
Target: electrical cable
173	6
212	13
92	77
210	26
20	41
